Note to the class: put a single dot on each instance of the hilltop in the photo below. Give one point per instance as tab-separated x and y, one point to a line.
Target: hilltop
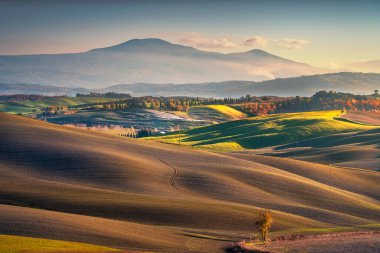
216	113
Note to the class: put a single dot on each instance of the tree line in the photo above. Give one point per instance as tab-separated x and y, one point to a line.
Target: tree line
104	95
322	100
256	106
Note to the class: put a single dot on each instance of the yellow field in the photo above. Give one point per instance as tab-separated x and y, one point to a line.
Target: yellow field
228	111
21	244
217	113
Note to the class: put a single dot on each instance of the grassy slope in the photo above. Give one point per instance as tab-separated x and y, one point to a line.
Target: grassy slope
15	108
20	244
228	111
72	101
272	130
27	106
356	150
217	113
77	185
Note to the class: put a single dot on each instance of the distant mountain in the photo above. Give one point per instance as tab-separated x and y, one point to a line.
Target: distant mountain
358	83
154	46
147	61
37	89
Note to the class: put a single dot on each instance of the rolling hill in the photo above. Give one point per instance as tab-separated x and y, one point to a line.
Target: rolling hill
355	150
38	89
76	185
146	61
28	107
216	113
265	131
357	83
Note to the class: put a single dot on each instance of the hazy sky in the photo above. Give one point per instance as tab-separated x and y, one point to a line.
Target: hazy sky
321	33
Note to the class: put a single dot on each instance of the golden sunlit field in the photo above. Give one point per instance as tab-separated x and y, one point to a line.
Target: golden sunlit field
20	244
216	113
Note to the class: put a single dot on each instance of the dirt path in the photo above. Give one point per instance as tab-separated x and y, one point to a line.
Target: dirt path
174	176
353	242
175	171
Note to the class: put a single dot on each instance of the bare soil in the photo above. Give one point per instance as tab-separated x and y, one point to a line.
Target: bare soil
372	118
353	242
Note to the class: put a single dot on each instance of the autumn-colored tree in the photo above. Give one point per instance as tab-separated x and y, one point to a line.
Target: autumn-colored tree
264	222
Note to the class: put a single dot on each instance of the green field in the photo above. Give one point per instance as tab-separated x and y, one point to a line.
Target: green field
16	107
21	244
265	131
72	101
28	106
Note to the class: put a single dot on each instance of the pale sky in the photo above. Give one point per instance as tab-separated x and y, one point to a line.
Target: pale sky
320	33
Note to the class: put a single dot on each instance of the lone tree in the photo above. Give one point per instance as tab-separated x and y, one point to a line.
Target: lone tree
376	92
264	222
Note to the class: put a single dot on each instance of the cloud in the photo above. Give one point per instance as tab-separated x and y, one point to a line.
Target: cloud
365	66
200	41
256	41
334	65
292	43
197	40
263	73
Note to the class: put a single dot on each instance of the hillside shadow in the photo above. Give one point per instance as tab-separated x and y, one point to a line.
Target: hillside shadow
370	137
238	249
264	133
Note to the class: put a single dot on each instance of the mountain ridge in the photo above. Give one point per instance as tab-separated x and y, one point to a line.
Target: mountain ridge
147	61
353	82
142	44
